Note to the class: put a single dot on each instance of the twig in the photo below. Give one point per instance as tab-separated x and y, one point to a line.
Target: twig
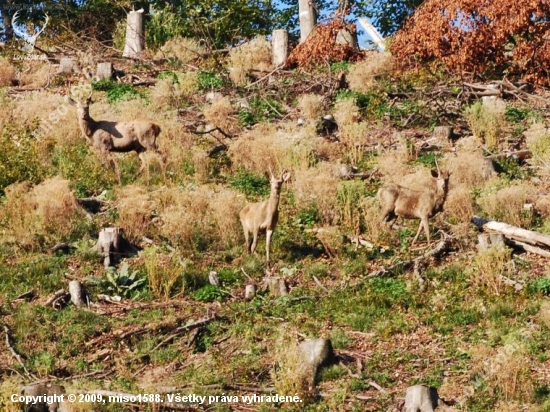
15	354
318	283
377	387
262	78
181	329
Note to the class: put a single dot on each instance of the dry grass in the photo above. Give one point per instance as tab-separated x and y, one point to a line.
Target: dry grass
370	210
291	375
254	55
508	204
7	72
346	112
36	74
486	123
459	205
135	209
163	272
311	106
363	75
537	138
353	136
265	146
317	188
393	165
220	114
489	267
167	93
40	215
468	168
225	207
184	49
185	221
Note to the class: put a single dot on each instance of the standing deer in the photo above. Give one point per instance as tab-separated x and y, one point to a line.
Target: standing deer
263	216
398	201
134	136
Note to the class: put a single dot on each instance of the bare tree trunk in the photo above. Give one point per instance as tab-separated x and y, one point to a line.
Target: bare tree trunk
308	18
279	47
134	34
6	21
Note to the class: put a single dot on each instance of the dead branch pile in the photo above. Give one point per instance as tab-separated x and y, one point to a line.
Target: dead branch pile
321	46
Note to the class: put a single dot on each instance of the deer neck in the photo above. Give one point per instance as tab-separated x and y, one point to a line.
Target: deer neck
87	125
273	201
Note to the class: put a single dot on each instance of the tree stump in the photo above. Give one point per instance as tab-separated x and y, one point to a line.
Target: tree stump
109	241
250	292
78	294
420	398
308	18
104	70
66	65
134	34
41	390
276	286
279	47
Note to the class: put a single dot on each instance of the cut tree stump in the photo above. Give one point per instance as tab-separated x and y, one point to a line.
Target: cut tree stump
280	47
134	35
109	241
104	70
78	293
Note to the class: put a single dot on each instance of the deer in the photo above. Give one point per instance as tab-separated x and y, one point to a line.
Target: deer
398	201
262	216
120	137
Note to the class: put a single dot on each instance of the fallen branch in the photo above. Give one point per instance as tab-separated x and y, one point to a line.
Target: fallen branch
181	329
15	354
441	246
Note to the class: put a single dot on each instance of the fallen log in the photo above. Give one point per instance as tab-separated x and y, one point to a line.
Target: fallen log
513	232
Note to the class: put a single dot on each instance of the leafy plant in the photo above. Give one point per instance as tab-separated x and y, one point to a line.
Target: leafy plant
208	293
116	91
540	285
249	183
124	283
210	80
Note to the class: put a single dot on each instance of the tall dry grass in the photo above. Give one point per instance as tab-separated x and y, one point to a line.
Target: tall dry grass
267	146
184	49
254	55
311	106
363	75
318	188
135	211
7	72
34	216
507	204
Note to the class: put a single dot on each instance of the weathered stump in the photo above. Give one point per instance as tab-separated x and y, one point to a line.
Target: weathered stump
134	34
279	47
109	241
104	70
308	18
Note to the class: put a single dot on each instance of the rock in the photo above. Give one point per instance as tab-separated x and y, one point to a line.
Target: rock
48	390
421	398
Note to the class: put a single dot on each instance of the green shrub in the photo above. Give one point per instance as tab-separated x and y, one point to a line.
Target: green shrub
250	184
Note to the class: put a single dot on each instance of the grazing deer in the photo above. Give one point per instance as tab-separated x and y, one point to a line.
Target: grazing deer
398	201
134	136
263	216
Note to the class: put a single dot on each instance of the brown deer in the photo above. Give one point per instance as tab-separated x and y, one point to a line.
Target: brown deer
134	136
263	216
398	201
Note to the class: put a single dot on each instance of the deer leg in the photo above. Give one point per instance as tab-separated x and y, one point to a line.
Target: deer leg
246	241
426	229
417	232
255	234
143	162
268	235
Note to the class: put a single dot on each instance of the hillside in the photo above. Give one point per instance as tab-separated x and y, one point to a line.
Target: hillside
471	321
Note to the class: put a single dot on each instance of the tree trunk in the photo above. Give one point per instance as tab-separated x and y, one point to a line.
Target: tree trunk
279	47
6	21
134	34
308	18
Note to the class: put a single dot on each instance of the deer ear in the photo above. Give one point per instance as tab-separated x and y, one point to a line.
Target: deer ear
286	176
70	101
